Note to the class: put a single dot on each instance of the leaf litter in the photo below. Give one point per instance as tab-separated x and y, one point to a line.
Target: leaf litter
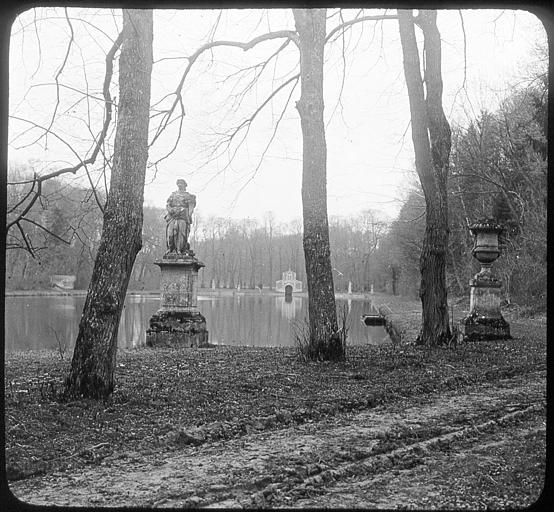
170	400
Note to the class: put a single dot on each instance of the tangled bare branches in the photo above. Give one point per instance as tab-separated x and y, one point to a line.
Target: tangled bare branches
18	212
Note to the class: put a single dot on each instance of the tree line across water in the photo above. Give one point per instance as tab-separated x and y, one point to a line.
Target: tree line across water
498	169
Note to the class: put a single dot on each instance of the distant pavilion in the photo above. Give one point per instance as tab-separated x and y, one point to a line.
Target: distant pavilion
289	283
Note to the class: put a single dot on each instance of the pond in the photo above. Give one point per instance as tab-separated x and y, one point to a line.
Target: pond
48	322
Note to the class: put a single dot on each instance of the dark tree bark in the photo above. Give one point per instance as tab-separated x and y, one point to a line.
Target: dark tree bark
92	367
432	139
325	342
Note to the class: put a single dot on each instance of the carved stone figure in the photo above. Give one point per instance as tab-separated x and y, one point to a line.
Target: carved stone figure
178	322
180	206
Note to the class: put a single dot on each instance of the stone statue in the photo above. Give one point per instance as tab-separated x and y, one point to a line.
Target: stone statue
180	206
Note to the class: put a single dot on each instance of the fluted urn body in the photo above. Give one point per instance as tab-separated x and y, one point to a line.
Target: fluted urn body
486	249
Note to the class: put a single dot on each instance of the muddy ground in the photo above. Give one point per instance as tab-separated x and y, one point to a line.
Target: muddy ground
396	426
483	448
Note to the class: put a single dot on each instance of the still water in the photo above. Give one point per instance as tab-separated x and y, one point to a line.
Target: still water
249	319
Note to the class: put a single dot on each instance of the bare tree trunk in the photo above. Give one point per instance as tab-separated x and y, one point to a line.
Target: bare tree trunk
280	260
432	138
324	339
253	268
213	260
366	271
92	367
270	250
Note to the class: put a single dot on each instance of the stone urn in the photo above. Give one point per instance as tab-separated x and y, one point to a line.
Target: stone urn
485	249
485	320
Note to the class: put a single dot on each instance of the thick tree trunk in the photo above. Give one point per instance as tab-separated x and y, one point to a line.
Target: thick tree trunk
324	338
431	137
92	367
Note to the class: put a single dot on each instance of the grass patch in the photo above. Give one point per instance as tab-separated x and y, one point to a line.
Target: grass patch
313	347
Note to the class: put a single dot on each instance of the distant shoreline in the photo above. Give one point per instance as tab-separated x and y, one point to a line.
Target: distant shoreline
226	292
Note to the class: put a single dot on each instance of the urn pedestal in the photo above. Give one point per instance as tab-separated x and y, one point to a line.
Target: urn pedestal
485	321
178	322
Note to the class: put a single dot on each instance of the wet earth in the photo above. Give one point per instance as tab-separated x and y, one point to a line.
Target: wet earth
477	447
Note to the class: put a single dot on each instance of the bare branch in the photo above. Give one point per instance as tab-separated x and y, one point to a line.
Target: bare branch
481	177
248	122
84	243
344	28
11	210
27	208
65	18
177	139
261	65
499	16
289	34
359	20
57	77
465	47
94	190
463	86
258	70
27	244
44	228
215	26
59	172
82	163
343	77
271	138
106	92
39	60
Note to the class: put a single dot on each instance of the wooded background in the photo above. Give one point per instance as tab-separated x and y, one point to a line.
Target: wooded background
498	169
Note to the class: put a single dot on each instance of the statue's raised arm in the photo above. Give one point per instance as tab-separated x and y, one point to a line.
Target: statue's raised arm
180	206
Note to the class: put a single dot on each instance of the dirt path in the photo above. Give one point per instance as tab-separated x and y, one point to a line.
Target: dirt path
420	452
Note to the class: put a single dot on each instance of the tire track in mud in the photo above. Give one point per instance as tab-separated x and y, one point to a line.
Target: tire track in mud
450	478
401	458
278	466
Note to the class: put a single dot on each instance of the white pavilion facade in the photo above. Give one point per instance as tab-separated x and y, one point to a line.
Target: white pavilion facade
288	283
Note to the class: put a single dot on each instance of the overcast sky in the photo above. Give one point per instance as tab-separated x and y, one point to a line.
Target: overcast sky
370	153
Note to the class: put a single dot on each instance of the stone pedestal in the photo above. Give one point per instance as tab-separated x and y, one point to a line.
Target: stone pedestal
178	322
485	321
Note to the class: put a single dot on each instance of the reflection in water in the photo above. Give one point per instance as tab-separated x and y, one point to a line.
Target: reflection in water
289	306
133	321
245	319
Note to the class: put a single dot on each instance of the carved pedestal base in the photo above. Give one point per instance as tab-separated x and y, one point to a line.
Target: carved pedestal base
177	329
485	321
178	322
